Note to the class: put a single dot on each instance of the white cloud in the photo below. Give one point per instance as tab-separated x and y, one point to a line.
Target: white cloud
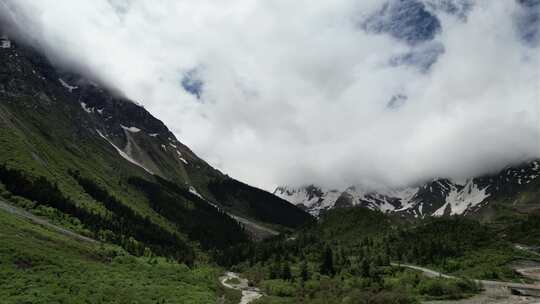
296	92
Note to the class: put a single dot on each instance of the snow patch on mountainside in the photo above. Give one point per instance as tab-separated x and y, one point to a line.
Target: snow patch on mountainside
295	196
69	87
192	190
131	129
5	43
405	197
86	108
124	154
312	199
459	201
181	157
329	199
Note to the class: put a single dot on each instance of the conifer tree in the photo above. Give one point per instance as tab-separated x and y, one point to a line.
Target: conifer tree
327	266
304	271
286	272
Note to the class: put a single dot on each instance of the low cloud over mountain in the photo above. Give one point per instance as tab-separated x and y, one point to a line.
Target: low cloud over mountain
333	93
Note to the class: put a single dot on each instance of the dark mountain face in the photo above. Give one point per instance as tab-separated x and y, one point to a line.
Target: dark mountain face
69	131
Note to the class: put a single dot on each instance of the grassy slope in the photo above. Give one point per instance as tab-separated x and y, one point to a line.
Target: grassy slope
25	147
53	152
42	266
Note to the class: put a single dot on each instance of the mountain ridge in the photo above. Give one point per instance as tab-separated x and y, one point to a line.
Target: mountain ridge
438	197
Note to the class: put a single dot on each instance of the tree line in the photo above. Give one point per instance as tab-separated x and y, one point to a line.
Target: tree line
121	226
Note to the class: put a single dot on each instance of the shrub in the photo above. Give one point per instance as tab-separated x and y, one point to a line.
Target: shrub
279	288
447	289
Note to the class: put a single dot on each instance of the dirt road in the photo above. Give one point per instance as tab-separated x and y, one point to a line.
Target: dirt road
43	222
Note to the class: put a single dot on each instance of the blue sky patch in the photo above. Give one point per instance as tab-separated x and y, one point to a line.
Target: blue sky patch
406	20
193	83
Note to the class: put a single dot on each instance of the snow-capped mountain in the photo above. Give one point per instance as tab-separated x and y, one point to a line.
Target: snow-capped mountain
436	198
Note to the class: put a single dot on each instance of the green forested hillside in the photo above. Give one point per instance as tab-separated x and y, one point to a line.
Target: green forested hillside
350	251
39	265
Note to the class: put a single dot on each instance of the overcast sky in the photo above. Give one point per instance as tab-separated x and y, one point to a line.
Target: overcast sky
330	92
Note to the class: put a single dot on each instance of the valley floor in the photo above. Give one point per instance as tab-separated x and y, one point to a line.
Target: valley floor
494	292
233	281
492	295
485	283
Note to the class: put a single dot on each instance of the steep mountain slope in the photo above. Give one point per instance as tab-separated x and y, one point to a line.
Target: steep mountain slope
516	187
95	156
